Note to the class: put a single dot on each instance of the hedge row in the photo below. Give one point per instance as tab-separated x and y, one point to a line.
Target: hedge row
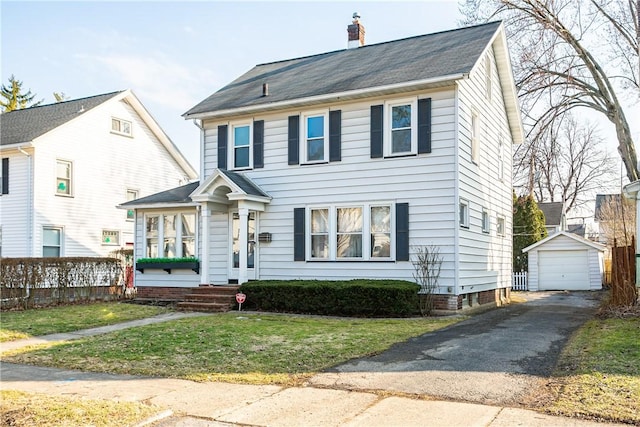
358	298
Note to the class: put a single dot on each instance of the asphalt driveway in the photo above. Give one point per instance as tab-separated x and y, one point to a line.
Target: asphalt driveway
500	357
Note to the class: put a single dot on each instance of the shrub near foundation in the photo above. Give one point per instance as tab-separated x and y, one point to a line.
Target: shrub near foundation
357	298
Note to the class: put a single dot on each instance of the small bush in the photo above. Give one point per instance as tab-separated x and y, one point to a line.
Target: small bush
357	298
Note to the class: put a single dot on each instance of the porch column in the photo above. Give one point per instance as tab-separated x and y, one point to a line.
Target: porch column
205	218
244	231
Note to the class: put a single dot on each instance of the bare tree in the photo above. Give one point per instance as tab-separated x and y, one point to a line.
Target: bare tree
570	161
568	54
617	219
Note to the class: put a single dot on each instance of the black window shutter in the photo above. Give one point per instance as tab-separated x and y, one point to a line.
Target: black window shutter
335	135
5	175
294	140
298	234
222	147
402	231
376	131
424	125
258	144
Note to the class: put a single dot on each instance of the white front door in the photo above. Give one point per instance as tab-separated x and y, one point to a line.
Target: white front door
234	239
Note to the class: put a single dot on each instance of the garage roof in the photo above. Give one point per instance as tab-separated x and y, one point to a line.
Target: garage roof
572	236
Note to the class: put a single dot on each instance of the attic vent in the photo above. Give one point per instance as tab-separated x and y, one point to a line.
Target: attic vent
81	110
265	89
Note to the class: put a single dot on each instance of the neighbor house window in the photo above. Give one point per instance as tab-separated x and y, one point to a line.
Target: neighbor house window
120	126
463	212
110	237
63	177
314	137
241	152
51	241
170	235
500	226
486	227
475	137
401	135
351	232
131	195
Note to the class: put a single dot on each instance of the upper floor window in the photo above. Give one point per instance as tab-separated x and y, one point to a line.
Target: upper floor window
401	133
500	226
486	227
501	158
463	212
241	149
64	177
315	138
131	195
110	237
475	137
120	126
51	241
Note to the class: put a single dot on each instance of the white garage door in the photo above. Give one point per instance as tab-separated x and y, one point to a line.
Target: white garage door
563	270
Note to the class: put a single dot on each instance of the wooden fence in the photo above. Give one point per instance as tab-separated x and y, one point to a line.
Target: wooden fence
623	275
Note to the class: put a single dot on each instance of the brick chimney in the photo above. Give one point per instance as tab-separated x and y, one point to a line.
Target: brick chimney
356	32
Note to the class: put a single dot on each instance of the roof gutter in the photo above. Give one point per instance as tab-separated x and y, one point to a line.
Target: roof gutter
351	94
17	146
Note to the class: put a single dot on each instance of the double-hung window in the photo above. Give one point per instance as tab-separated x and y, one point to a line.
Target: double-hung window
63	177
349	232
110	237
171	235
500	226
343	233
320	233
501	159
463	212
131	195
475	137
315	139
51	241
486	227
241	149
401	125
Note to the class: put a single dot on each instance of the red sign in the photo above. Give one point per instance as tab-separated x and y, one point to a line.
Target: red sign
240	298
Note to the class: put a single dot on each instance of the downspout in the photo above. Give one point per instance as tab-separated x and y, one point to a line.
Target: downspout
30	215
456	194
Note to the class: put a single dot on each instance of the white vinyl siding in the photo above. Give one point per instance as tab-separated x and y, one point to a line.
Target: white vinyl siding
425	182
484	258
15	210
100	178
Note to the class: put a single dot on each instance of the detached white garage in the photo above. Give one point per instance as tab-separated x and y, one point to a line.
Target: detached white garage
565	261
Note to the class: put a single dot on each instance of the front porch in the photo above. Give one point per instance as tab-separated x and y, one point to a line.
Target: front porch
206	298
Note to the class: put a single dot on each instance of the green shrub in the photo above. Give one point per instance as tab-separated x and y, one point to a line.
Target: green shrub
165	260
358	298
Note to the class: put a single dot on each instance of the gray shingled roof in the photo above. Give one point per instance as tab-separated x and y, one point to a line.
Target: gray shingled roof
174	195
27	124
400	61
552	212
245	185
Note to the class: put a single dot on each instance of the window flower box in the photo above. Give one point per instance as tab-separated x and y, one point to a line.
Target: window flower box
168	264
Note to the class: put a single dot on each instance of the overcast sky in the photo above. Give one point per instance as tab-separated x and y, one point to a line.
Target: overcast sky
175	54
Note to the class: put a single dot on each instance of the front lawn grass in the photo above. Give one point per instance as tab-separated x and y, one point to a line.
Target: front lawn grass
600	372
36	409
35	322
251	348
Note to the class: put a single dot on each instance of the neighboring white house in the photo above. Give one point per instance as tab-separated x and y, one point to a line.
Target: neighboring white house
338	165
565	261
66	166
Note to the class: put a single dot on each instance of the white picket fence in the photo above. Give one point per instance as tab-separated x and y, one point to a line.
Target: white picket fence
519	281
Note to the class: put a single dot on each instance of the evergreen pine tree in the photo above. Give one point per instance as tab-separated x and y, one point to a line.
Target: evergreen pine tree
13	97
528	228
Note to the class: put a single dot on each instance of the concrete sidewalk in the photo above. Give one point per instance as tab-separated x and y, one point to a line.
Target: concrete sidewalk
221	404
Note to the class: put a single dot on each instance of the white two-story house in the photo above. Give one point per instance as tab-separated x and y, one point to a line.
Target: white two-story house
340	165
66	166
